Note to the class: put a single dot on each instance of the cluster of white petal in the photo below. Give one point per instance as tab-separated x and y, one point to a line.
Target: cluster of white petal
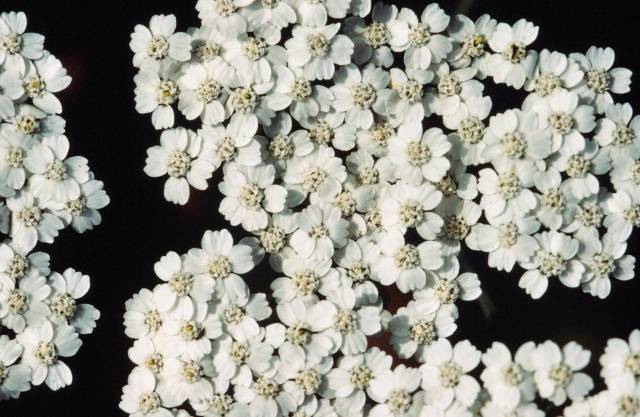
42	191
352	174
205	343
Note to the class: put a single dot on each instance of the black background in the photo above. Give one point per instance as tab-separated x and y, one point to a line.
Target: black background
91	38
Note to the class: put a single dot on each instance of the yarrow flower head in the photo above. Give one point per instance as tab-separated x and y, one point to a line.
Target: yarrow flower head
43	190
314	113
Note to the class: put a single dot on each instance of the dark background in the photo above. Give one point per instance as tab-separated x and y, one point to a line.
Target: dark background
91	38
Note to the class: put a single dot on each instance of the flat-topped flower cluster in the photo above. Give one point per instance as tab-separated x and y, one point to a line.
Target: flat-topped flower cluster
357	148
42	191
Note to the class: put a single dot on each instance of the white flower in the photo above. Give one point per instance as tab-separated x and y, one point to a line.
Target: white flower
453	89
17	262
423	42
66	289
250	195
319	173
468	140
554	258
352	325
14	147
604	257
321	230
269	18
188	334
415	327
248	105
274	238
515	137
351	379
32	122
31	221
55	176
264	396
156	92
556	371
457	183
206	44
317	50
184	379
621	359
444	373
375	140
507	378
44	77
419	155
459	217
220	405
404	264
505	196
600	79
301	377
619	132
304	279
589	214
235	142
623	397
179	156
555	209
582	168
404	206
567	120
44	346
183	291
202	91
241	313
139	397
506	243
395	393
448	287
304	99
330	127
220	260
232	358
249	56
223	15
142	317
413	102
372	40
622	210
159	41
360	94
513	63
369	172
147	355
306	324
284	145
82	213
471	39
17	47
15	378
554	71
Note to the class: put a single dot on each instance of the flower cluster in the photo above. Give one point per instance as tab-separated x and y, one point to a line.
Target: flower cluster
356	145
42	191
204	339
